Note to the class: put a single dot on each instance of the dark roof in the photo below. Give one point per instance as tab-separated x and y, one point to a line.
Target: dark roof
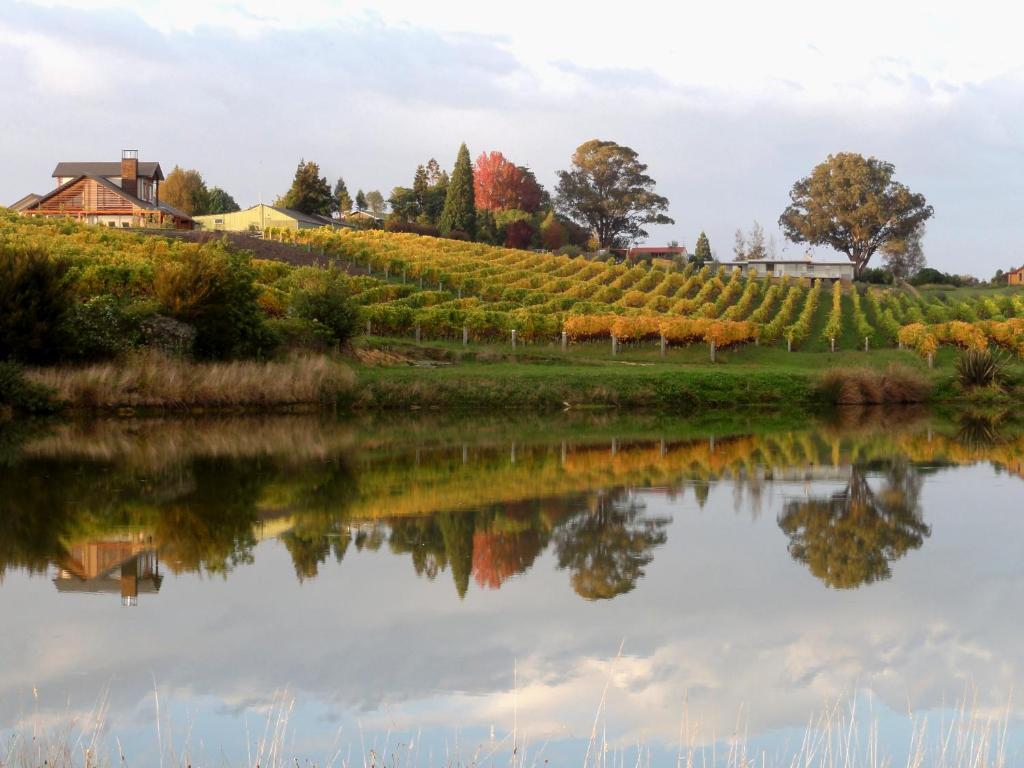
25	202
138	202
146	170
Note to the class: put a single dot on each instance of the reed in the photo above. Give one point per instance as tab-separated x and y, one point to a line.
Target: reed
153	381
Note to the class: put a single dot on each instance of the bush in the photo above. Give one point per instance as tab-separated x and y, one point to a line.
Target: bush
18	394
213	290
35	298
981	368
397	225
103	327
328	306
572	251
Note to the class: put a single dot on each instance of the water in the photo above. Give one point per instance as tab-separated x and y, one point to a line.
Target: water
436	590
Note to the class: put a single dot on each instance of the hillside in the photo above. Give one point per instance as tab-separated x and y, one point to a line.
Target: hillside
444	286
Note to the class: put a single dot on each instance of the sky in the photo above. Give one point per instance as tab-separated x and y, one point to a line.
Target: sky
728	103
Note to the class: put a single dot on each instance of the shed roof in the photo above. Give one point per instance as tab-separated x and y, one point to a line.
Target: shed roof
148	170
25	202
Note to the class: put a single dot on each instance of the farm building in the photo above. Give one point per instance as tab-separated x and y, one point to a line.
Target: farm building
362	219
260	217
649	252
113	194
816	270
1015	276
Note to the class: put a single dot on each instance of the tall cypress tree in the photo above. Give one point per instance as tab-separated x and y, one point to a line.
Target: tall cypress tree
459	214
703	251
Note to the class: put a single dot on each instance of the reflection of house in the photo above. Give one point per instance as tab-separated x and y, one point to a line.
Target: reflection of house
815	270
1015	276
261	217
128	565
124	194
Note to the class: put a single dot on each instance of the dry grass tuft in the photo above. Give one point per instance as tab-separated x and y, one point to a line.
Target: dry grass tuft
155	381
867	386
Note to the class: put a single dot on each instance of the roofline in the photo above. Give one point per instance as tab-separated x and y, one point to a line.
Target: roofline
135	201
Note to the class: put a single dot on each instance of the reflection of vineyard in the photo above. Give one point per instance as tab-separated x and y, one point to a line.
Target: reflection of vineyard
482	512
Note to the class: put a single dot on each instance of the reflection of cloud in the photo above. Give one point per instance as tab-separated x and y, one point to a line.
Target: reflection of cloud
723	618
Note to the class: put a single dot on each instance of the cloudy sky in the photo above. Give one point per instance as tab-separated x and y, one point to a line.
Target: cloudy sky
727	102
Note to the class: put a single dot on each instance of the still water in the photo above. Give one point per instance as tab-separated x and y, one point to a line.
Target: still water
572	588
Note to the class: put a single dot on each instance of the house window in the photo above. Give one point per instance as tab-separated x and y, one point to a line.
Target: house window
125	224
111	224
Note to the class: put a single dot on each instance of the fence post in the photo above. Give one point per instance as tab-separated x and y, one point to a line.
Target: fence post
465	336
662	343
832	343
789	345
713	348
931	360
403	275
513	338
440	285
867	344
368	327
565	341
615	345
417	334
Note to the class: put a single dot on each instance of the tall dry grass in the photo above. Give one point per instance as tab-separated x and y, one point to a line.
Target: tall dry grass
867	386
155	381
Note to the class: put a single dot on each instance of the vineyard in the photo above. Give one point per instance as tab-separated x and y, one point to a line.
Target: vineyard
446	289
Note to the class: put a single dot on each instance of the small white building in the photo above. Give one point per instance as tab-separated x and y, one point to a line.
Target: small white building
798	268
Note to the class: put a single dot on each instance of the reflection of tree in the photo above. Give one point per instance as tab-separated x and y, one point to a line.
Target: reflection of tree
497	555
607	549
851	538
457	532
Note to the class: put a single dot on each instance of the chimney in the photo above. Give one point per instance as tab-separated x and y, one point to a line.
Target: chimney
130	171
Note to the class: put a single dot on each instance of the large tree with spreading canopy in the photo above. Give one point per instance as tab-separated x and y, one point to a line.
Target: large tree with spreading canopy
852	204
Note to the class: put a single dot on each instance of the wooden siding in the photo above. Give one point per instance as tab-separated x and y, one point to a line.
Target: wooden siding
87	198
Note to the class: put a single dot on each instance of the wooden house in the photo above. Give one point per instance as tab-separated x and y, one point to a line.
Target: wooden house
112	194
1015	276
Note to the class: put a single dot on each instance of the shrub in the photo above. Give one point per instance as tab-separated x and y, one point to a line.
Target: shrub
328	305
397	225
571	251
167	335
981	368
103	327
19	394
213	290
35	299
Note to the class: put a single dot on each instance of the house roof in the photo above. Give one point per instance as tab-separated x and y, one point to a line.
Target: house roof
149	170
25	202
136	201
770	262
1015	271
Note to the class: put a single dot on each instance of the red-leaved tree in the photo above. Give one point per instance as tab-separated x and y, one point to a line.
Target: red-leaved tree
501	185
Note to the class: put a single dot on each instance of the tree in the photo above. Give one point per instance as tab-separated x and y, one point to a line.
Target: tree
219	201
420	185
502	185
185	190
342	200
755	243
375	202
435	176
459	213
608	190
852	204
739	246
360	201
310	193
702	253
904	257
552	232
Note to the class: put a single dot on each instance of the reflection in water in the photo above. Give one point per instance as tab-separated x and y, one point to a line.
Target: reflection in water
201	495
851	537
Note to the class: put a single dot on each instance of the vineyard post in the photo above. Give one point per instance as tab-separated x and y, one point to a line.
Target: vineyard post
789	344
931	360
403	275
369	326
460	291
417	333
387	269
867	344
713	348
513	338
565	341
440	285
661	341
615	344
465	336
832	343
